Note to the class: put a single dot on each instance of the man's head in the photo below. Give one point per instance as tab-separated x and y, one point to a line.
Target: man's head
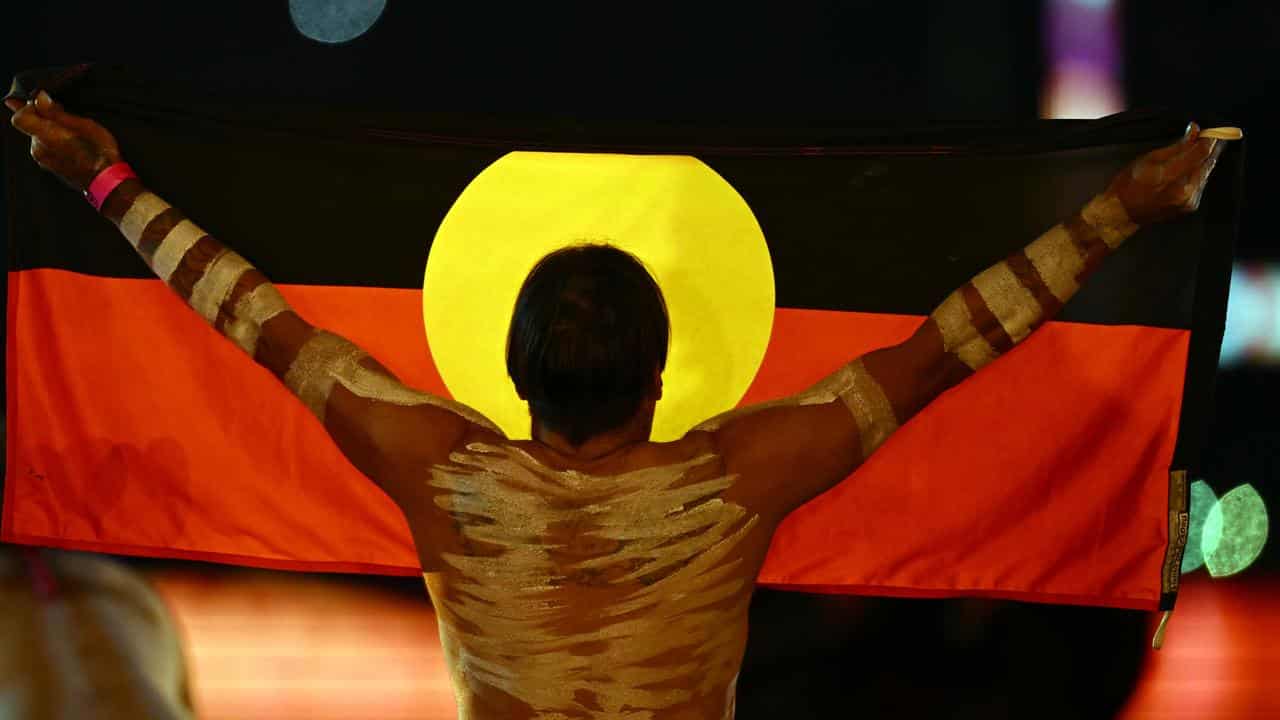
588	341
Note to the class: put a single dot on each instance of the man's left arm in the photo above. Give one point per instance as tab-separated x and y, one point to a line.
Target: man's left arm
381	425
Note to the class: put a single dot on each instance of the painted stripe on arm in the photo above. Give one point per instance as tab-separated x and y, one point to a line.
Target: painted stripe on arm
141	212
1107	215
1010	302
870	407
1058	262
327	359
174	247
157	230
312	373
250	312
214	287
960	335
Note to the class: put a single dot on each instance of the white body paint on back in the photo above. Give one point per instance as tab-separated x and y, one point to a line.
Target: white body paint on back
600	596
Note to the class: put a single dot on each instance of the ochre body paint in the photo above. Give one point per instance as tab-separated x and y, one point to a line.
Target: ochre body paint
1003	304
1107	215
620	596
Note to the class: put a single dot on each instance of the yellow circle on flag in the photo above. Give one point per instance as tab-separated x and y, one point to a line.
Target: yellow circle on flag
685	222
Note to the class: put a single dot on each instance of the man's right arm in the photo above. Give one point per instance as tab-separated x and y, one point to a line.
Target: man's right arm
789	451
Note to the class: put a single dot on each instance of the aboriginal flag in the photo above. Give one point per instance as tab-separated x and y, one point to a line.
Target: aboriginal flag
1056	474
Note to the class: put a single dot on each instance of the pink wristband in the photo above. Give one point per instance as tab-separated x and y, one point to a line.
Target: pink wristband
107	181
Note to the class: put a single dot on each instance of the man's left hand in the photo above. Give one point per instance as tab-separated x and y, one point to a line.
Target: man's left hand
74	148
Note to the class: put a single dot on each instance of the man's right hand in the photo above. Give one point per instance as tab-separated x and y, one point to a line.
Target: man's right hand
1168	182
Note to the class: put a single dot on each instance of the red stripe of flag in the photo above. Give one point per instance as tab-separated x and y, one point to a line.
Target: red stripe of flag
134	428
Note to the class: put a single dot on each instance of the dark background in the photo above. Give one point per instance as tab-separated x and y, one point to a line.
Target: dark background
797	63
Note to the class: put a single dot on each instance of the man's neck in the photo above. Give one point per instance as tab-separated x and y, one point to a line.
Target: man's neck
636	431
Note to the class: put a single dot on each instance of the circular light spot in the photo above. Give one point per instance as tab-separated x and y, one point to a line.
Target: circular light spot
1240	528
1211	534
1202	501
335	21
685	222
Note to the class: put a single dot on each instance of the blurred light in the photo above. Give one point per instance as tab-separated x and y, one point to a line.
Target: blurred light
285	646
1253	316
1202	501
1211	531
1235	532
1084	78
335	21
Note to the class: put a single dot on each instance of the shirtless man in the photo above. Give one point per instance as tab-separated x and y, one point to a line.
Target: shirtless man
589	572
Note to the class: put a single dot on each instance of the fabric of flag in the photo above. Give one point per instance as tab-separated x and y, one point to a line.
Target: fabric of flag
1056	474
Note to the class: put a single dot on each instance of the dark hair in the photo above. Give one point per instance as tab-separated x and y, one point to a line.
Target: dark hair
589	330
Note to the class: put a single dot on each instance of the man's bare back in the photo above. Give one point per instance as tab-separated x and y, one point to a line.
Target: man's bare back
615	588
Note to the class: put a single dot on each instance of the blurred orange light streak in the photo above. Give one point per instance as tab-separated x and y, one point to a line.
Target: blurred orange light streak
279	646
269	645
